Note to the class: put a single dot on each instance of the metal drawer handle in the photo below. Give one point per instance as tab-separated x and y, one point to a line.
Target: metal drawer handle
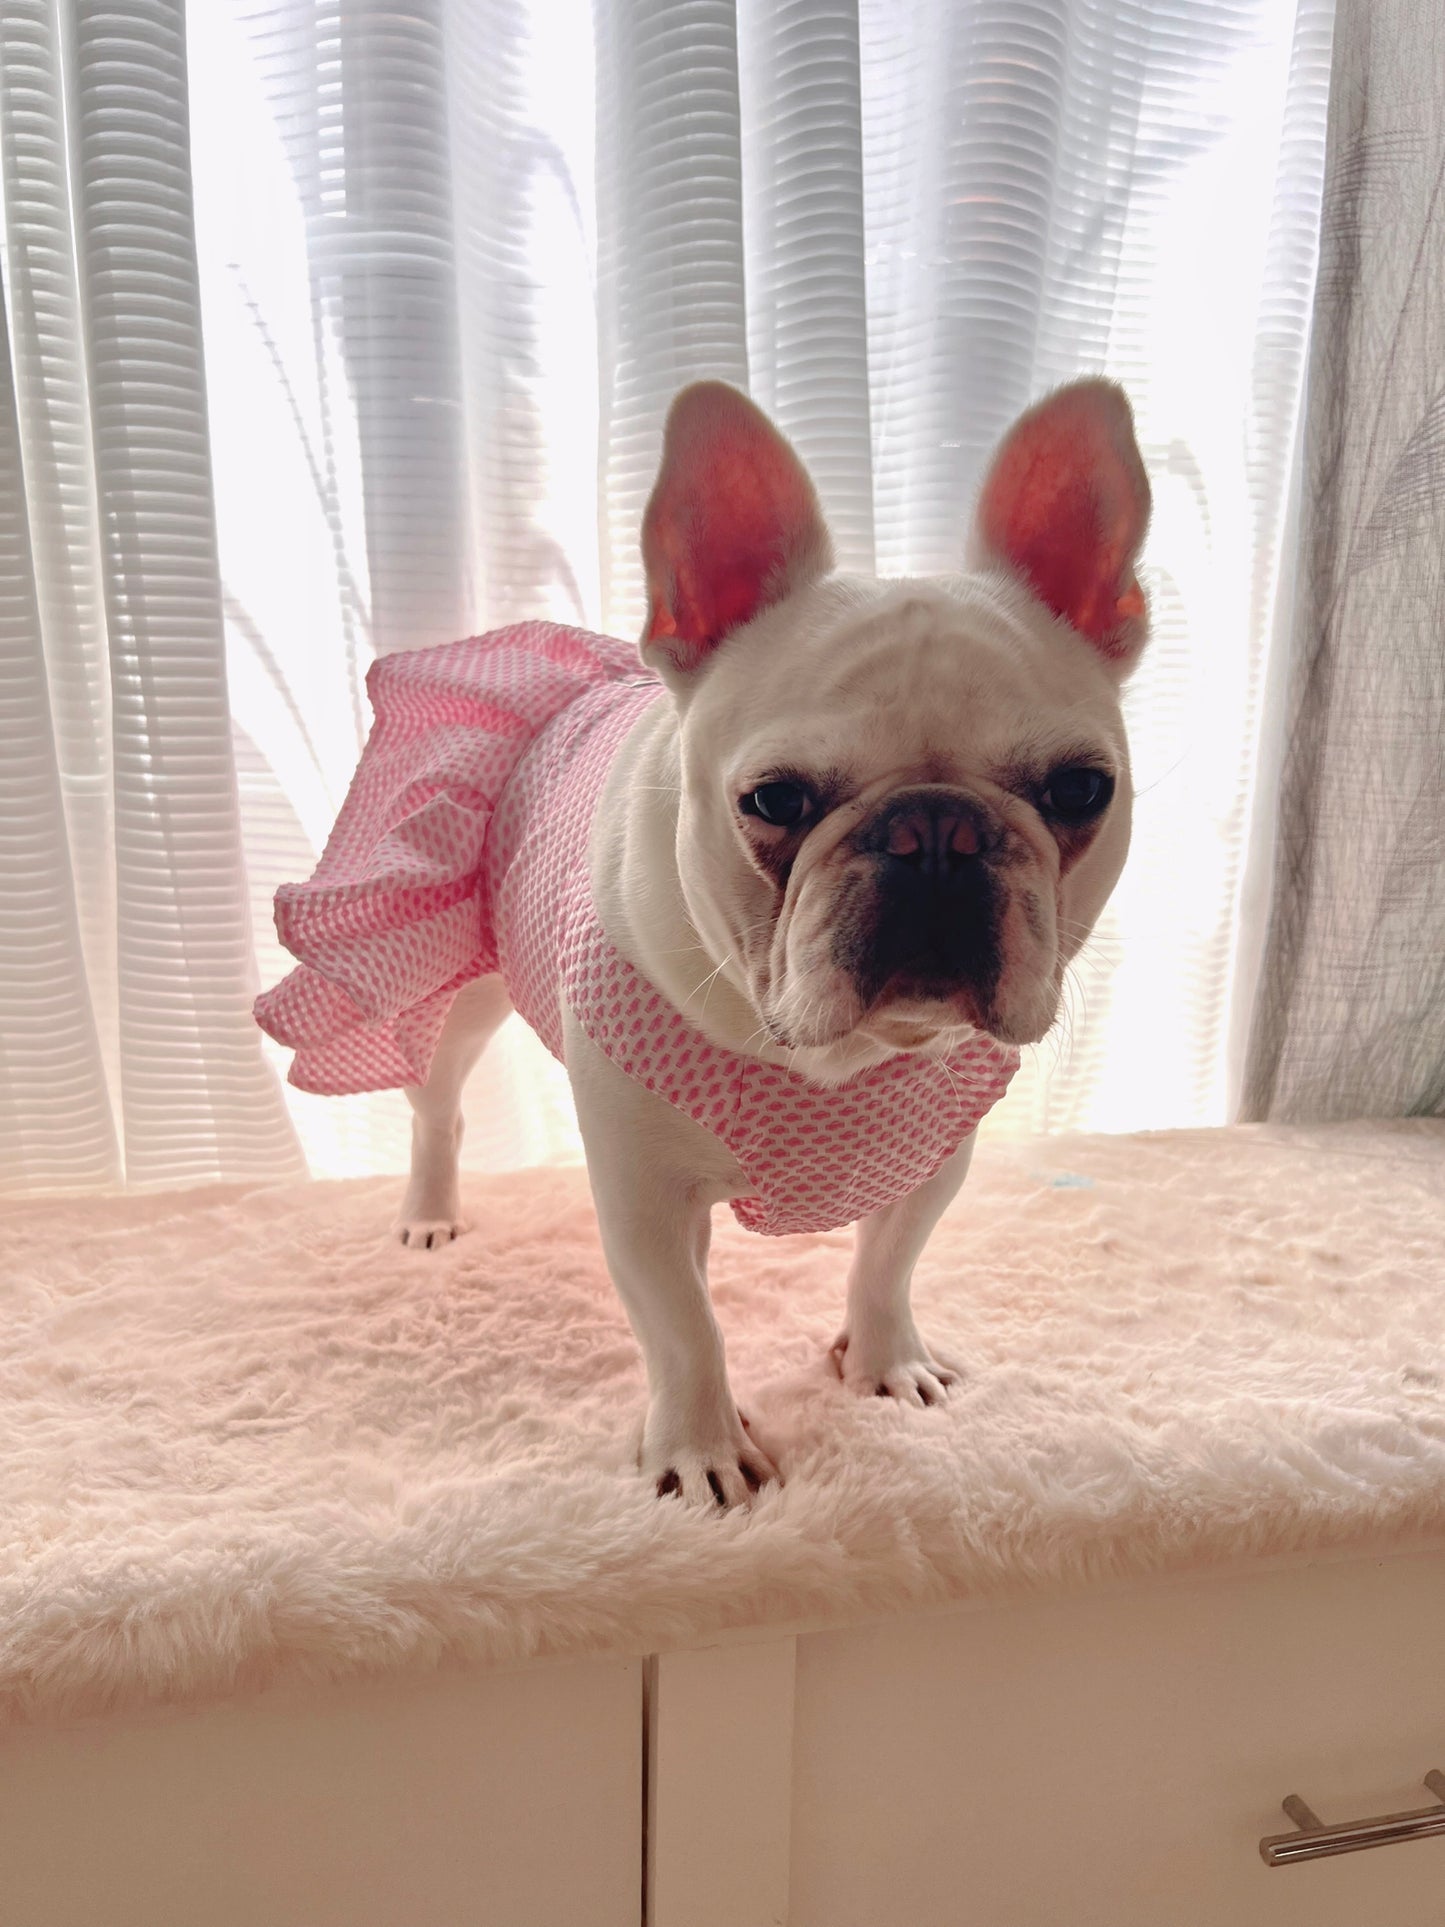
1313	1839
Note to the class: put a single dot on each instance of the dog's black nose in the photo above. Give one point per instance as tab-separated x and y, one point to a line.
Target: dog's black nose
932	832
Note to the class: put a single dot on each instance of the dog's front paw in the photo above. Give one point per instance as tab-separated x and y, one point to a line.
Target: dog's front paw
892	1365
708	1461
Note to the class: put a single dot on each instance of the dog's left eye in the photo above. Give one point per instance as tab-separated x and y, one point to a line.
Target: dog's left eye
784	805
1076	793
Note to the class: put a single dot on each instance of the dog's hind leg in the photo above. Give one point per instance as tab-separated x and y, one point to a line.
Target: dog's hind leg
431	1209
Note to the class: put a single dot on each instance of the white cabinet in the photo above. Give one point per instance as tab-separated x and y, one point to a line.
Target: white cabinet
499	1800
1104	1760
1113	1760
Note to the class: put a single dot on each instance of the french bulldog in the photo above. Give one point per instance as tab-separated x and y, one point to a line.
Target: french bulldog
848	849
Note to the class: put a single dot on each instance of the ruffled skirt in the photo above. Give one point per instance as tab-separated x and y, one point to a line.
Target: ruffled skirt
397	916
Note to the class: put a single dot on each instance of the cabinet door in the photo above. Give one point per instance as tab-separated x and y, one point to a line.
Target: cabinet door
462	1800
1113	1760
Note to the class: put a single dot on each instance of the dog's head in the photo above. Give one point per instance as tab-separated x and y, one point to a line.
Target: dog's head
904	803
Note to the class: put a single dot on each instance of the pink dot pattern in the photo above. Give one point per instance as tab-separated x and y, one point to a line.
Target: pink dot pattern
462	848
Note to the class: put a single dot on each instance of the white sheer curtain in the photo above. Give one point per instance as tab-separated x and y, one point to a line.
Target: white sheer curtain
449	262
125	938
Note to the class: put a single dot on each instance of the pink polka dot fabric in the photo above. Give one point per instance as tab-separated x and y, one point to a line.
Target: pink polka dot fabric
462	848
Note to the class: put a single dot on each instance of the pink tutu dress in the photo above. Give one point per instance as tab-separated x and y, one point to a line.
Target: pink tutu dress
462	848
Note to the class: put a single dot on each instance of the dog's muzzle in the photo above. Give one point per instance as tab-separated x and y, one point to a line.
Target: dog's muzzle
929	928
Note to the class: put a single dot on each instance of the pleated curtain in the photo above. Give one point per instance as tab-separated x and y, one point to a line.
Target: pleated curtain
1350	1017
128	959
338	328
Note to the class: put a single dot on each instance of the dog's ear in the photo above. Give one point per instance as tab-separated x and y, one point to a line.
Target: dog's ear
732	527
1065	505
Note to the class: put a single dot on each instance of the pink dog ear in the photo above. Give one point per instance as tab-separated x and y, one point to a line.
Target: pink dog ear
733	525
1066	506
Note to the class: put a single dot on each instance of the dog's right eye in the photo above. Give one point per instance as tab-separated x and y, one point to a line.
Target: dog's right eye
784	805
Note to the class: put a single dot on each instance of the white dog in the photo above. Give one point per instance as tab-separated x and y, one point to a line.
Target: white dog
807	895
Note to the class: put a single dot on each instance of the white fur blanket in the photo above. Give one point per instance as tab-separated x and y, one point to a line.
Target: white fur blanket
244	1437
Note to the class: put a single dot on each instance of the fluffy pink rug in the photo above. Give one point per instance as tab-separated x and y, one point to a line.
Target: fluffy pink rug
244	1437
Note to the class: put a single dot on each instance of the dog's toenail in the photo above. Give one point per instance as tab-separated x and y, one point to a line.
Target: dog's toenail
668	1484
716	1484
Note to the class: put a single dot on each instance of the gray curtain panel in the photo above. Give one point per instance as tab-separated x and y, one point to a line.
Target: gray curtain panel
1350	1014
